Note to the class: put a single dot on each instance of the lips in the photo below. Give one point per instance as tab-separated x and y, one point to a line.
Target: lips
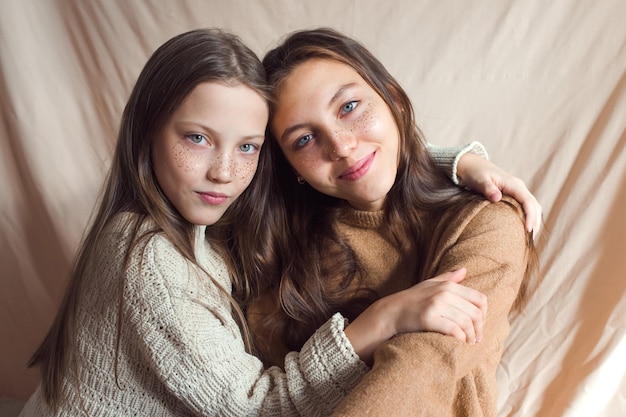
213	198
359	169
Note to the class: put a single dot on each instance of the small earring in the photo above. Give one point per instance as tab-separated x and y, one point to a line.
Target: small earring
300	180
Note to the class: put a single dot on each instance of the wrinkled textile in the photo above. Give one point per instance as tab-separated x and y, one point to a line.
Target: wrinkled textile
541	84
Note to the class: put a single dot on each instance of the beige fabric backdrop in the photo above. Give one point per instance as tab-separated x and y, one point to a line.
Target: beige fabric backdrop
541	84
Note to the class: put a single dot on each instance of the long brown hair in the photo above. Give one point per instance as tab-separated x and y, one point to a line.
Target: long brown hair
420	197
170	74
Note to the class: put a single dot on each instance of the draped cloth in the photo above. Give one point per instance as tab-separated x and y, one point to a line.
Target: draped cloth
541	84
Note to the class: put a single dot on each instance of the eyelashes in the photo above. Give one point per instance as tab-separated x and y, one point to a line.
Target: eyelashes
196	138
348	107
200	139
249	148
303	140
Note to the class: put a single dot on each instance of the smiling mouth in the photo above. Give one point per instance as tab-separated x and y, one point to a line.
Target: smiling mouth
359	169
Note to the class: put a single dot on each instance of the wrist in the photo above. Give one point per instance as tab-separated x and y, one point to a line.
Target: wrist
371	328
469	153
465	164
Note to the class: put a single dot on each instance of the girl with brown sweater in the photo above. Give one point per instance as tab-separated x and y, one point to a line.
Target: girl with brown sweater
361	212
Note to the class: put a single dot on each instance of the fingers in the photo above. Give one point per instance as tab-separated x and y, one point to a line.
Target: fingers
456	317
492	181
440	304
532	209
468	312
492	192
443	305
454	276
450	328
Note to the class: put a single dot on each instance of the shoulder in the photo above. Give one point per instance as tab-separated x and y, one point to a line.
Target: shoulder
127	227
136	241
481	216
149	253
505	213
494	229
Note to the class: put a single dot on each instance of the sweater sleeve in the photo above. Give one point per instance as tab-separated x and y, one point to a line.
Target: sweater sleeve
189	339
432	374
447	158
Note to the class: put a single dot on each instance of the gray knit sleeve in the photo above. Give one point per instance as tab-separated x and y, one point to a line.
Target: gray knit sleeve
331	366
447	158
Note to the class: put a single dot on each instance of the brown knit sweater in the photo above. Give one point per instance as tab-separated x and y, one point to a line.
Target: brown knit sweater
429	374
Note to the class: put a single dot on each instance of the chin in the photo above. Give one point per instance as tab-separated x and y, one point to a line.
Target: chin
200	220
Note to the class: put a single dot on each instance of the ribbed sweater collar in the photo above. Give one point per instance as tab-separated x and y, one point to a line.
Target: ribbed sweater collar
360	218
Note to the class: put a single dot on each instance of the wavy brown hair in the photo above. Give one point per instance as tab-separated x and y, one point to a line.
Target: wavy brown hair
170	74
313	253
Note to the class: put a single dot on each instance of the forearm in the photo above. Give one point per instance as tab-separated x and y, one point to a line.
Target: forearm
193	346
422	372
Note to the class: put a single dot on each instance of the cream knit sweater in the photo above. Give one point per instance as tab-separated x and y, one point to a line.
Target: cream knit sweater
181	352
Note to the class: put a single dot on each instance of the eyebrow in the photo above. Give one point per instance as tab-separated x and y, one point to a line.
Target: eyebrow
291	129
333	99
212	132
339	92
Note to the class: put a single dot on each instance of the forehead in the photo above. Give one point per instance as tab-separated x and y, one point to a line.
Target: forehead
219	104
217	93
314	83
317	73
313	86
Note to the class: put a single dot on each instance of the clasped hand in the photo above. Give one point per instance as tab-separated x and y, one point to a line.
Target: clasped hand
440	304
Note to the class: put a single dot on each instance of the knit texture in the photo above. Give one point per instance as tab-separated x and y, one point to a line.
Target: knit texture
429	374
447	158
386	274
181	352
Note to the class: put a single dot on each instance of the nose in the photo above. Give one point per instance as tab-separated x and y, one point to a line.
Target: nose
220	169
340	144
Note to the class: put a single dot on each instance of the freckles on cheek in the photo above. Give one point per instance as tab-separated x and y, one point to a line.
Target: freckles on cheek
304	160
245	170
366	122
307	162
186	160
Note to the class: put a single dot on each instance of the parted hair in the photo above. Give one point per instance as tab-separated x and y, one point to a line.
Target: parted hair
170	74
317	266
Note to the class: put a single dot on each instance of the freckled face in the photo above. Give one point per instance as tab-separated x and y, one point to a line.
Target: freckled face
207	153
337	133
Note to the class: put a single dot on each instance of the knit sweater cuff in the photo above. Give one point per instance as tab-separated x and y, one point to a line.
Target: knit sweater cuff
447	158
332	360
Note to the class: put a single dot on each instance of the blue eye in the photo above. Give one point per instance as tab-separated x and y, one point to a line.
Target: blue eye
196	138
248	148
303	140
348	107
